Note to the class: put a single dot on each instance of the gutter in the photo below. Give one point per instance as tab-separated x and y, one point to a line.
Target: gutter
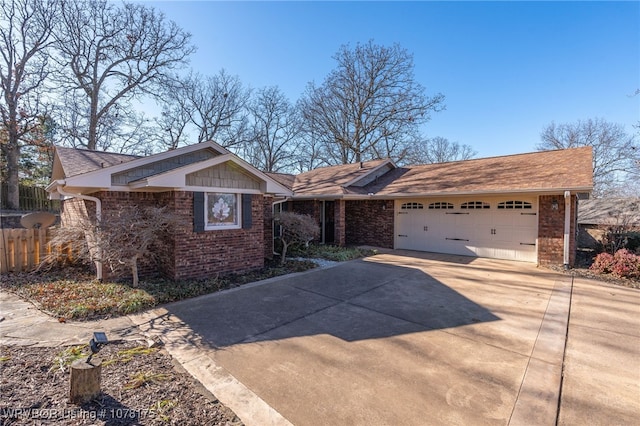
273	220
58	186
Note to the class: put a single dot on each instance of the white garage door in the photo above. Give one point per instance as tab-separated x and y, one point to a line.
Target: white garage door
501	228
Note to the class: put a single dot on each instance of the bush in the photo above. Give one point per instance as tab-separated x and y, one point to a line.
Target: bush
603	263
295	228
627	264
623	264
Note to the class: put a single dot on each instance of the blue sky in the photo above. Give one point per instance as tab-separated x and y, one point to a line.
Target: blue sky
507	69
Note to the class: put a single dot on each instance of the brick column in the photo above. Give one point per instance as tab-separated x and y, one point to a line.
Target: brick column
340	222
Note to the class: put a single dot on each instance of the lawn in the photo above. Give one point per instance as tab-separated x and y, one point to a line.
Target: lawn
73	293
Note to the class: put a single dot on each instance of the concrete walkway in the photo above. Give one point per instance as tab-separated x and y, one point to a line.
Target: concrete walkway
602	362
24	325
399	338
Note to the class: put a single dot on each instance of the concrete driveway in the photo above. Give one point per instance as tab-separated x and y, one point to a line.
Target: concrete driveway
399	338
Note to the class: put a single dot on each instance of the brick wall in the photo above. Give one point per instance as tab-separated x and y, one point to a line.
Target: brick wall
369	222
551	231
207	254
340	224
185	254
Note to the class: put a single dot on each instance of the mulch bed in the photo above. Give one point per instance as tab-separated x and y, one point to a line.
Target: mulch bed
139	386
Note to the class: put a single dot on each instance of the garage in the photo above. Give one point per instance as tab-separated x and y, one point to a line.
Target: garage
499	228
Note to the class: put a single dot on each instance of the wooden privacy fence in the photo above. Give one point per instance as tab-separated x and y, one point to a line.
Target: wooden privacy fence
32	198
24	249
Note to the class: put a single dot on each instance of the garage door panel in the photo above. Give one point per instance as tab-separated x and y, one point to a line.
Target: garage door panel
476	228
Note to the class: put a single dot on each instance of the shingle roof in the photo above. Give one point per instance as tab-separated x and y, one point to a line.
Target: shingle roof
283	178
79	161
609	211
330	180
536	171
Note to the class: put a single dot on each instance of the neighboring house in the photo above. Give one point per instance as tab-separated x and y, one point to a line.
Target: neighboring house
222	197
597	216
519	207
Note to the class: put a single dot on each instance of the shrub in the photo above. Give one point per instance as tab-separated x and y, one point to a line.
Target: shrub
603	263
623	264
296	229
626	264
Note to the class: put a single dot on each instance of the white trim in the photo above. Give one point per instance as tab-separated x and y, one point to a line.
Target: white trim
102	177
237	225
375	169
175	178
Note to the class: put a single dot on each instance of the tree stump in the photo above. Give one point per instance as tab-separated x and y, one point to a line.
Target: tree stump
84	382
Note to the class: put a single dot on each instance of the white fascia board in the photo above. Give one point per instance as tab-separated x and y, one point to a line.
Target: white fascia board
102	178
375	169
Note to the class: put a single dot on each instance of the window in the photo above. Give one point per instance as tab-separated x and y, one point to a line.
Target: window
474	205
222	211
412	206
514	204
439	205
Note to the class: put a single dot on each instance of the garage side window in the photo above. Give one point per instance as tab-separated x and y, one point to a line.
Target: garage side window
515	204
440	205
475	205
412	206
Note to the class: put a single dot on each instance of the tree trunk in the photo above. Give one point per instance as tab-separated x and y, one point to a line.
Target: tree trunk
284	252
134	271
84	381
12	156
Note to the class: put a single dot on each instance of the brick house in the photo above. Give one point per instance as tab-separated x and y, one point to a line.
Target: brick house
222	197
519	207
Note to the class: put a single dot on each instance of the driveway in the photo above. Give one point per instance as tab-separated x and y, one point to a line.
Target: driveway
399	338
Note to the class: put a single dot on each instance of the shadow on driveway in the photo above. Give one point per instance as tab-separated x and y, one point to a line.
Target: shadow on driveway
353	301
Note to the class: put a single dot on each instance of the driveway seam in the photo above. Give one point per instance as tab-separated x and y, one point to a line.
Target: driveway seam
564	353
537	398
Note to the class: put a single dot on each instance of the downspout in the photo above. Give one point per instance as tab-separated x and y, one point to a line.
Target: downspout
98	218
273	225
567	227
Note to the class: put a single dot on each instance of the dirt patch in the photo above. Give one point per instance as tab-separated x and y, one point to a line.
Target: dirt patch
139	385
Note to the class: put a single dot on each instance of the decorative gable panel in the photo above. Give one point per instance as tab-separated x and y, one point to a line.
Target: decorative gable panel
123	178
225	175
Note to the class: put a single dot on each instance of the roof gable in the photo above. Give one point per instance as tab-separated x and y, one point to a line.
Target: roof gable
161	166
333	180
163	171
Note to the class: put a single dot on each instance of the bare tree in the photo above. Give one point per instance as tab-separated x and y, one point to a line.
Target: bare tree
614	152
217	107
25	35
113	55
438	150
295	228
172	126
275	126
370	99
122	240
